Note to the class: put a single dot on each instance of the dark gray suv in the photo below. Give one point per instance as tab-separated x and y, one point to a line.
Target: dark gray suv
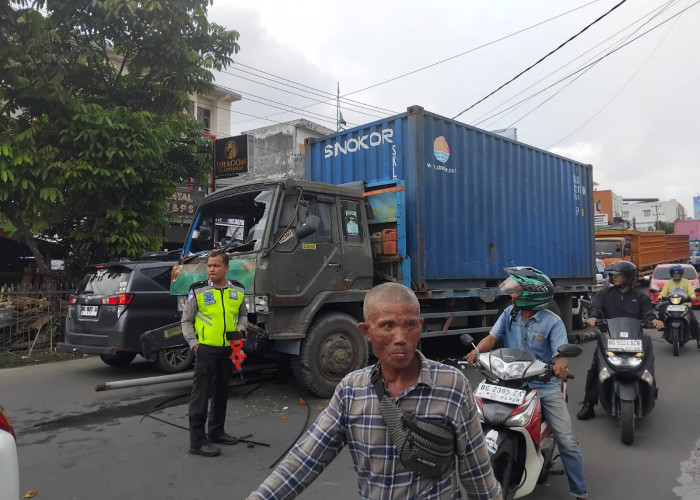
114	304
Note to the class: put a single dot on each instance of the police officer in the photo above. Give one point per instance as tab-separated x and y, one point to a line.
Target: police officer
213	308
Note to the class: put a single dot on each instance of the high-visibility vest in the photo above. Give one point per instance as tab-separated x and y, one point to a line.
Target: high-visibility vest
217	312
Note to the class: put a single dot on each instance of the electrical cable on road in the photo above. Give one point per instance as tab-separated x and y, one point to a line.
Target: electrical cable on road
303	429
540	60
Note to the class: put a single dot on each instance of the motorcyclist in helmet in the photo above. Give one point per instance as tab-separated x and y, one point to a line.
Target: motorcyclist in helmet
621	300
679	284
528	326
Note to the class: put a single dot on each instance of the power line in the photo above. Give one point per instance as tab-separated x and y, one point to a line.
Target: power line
539	61
600	110
293	93
595	59
328	94
470	50
593	63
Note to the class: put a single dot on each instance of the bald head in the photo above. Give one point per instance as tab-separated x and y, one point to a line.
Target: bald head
388	293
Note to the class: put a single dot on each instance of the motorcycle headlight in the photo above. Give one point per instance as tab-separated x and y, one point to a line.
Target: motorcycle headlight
634	362
614	359
675	300
508	371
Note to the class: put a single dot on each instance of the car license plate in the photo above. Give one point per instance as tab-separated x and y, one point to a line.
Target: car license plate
500	394
88	311
625	345
675	308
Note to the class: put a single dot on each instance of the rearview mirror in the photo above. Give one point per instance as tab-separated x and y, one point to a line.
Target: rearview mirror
309	226
202	233
466	339
569	350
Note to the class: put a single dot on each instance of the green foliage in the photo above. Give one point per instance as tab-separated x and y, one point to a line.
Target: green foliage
666	227
93	139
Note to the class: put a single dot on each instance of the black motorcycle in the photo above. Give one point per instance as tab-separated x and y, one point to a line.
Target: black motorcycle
627	387
676	317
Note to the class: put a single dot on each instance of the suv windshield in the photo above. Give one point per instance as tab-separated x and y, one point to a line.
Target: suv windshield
606	249
105	281
237	222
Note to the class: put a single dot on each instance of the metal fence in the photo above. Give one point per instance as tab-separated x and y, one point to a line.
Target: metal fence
33	318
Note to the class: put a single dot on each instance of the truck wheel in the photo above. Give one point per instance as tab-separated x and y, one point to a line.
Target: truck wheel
333	347
174	359
581	319
118	359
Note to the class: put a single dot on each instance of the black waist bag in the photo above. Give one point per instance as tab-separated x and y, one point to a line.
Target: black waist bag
424	447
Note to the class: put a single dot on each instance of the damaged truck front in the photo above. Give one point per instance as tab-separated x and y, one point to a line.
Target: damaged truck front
303	278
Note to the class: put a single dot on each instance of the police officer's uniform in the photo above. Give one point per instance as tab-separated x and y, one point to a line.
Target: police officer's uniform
209	313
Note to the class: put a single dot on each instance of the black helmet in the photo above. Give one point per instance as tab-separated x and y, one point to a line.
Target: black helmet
537	290
676	269
626	269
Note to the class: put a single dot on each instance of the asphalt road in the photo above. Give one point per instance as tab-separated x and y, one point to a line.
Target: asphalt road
75	443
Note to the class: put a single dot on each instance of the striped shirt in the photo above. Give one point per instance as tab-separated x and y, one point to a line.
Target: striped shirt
441	394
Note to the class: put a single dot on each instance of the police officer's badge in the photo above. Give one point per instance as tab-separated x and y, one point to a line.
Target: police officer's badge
209	298
233	294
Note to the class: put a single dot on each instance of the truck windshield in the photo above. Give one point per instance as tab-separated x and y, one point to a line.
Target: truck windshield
607	249
236	223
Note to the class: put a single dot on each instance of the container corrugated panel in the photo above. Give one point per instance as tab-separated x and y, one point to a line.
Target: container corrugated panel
689	227
476	202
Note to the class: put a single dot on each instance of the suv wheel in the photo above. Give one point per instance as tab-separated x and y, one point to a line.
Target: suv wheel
174	359
118	359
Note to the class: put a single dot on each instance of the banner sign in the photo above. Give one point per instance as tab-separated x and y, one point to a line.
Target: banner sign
231	156
185	199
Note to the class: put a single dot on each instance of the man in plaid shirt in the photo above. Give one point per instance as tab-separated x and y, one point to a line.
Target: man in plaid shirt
425	388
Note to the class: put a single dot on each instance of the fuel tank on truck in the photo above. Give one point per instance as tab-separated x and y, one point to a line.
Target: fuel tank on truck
475	201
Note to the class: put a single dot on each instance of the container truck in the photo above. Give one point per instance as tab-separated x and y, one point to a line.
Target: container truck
416	198
645	249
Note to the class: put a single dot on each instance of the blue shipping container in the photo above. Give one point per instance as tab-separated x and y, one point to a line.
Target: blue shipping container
475	202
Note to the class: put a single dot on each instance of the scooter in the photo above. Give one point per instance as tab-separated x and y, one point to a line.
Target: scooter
676	316
519	440
627	387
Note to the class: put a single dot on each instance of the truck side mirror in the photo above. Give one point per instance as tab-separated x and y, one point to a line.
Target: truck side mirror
202	233
309	226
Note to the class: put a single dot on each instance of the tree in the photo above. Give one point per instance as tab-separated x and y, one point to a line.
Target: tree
93	138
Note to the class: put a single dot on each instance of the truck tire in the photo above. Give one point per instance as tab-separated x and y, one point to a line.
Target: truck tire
581	319
118	359
174	359
333	347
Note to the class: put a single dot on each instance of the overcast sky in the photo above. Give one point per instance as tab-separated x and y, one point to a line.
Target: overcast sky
632	115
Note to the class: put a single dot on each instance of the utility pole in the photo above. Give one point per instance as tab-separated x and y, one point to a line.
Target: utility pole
656	209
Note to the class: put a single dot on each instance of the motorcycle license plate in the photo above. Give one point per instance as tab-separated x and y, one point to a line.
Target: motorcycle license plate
675	308
500	394
625	345
88	311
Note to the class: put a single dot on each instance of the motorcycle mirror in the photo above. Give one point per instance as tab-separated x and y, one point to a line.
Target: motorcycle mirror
569	350
466	339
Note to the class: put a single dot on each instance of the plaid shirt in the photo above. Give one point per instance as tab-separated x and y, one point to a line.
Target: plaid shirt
352	418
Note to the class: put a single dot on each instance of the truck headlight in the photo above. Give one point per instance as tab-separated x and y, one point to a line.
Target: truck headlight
257	304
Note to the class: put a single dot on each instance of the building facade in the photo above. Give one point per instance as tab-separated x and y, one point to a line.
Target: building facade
644	216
